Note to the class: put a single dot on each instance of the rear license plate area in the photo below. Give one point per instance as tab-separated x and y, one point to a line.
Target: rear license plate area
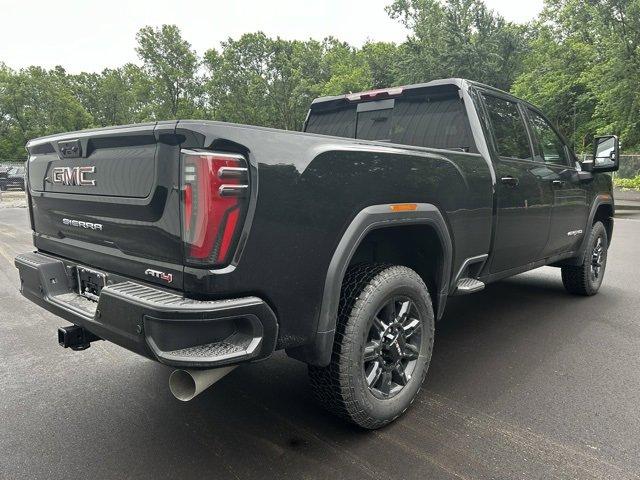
90	282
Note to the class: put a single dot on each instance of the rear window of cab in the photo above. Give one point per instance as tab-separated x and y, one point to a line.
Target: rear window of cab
435	121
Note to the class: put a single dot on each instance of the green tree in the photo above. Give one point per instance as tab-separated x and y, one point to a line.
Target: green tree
383	59
584	66
344	69
36	102
172	65
271	82
458	38
115	96
579	61
554	80
616	67
238	86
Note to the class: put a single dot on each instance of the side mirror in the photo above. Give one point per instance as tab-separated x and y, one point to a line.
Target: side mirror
606	154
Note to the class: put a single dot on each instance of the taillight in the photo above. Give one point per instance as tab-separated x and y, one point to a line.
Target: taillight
214	199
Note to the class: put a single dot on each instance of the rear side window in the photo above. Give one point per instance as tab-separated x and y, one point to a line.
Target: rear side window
508	128
549	145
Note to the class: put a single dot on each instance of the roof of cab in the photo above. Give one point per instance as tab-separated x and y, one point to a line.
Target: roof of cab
337	100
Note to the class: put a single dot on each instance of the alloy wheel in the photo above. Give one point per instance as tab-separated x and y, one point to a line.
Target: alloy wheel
393	347
597	259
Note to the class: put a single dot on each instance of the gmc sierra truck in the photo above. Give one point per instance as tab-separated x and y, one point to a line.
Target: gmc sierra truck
204	245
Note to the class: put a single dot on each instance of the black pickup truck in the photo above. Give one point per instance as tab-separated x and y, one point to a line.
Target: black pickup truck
12	177
203	244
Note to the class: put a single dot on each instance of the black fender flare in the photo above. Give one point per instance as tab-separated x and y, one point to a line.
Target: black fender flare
599	200
318	351
602	199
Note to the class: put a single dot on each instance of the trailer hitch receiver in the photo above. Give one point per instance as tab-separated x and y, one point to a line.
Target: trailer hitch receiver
75	337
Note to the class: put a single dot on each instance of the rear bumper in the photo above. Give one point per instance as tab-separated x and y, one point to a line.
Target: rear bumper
152	322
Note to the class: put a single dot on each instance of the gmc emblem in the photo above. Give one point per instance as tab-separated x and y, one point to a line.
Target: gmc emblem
73	176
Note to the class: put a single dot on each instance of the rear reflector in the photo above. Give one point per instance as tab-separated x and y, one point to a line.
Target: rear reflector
214	198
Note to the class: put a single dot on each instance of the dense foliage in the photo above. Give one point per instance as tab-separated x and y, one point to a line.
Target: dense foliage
583	67
579	61
630	183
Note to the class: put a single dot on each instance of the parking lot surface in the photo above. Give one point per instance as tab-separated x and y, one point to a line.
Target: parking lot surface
526	382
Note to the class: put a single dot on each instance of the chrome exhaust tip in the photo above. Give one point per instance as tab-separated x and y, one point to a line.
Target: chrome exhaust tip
186	384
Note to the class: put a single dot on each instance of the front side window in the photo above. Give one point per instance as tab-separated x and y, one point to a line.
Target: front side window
508	127
549	145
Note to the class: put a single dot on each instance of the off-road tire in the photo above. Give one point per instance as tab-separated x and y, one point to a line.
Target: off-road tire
341	386
579	280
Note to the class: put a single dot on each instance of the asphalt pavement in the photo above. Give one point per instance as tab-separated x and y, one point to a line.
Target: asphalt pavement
526	382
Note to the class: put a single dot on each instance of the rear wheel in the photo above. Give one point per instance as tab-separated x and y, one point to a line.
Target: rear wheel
382	348
586	279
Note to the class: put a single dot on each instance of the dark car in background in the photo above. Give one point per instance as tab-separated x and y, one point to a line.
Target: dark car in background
12	177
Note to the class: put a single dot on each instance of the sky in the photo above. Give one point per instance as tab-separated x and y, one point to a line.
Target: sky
90	35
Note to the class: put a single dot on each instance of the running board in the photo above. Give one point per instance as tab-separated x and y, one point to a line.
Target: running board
468	285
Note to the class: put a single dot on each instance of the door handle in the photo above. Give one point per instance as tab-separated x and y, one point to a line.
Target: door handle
510	181
558	183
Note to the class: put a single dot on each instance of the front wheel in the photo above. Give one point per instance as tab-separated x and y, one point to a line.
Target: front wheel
382	347
586	278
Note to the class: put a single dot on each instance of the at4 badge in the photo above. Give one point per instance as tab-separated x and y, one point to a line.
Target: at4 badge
167	277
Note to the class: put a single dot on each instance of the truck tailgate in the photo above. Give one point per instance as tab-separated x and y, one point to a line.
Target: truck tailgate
110	199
